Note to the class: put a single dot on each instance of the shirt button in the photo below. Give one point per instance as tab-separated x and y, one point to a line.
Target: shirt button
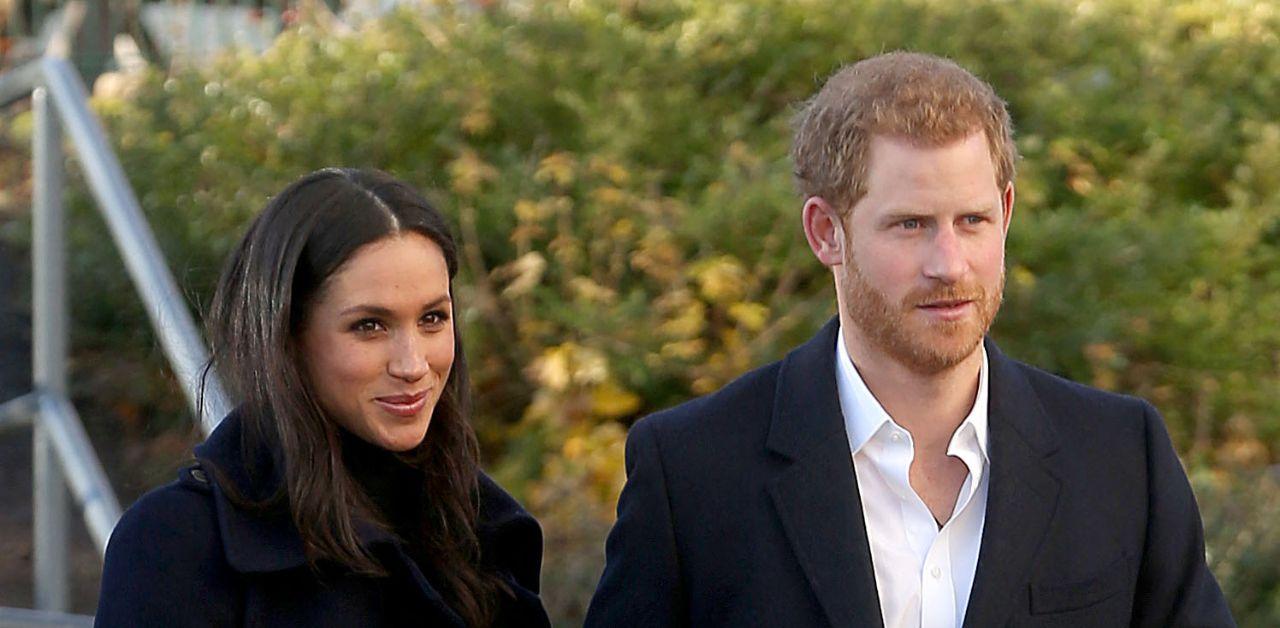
895	437
935	572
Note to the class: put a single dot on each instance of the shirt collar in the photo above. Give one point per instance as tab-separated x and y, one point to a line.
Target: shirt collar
864	416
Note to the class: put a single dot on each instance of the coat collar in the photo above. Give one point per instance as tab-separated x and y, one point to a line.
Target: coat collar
257	541
818	501
264	541
817	494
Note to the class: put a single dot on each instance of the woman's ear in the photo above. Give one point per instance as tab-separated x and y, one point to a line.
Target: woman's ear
823	229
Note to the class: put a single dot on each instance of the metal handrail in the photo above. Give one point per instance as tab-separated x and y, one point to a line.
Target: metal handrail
119	206
62	456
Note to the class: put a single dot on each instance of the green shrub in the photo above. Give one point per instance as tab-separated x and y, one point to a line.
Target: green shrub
618	174
1240	512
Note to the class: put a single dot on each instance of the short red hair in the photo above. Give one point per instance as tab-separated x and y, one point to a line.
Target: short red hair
926	100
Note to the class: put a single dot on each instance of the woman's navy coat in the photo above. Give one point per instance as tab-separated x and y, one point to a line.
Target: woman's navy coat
184	555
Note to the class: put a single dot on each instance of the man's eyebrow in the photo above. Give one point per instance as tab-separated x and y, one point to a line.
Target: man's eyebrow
378	310
903	213
900	214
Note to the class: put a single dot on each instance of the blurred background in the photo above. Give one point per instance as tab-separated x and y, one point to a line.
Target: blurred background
617	174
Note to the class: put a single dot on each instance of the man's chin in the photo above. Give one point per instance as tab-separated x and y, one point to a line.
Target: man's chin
935	351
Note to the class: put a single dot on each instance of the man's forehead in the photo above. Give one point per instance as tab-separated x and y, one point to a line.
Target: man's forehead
906	140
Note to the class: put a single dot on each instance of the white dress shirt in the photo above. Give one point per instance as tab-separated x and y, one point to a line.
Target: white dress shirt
923	574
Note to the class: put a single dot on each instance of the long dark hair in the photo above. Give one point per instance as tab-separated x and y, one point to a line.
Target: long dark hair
305	234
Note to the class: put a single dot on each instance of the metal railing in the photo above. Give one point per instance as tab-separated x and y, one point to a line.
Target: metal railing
63	458
27	25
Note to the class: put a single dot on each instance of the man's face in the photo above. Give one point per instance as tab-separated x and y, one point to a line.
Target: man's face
922	265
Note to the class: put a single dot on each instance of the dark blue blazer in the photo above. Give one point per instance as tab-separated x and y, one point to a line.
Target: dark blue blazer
185	555
741	509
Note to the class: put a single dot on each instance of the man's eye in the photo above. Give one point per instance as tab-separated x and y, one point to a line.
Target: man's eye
911	223
974	219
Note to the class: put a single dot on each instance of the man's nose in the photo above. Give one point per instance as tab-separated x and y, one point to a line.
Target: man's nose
946	261
408	360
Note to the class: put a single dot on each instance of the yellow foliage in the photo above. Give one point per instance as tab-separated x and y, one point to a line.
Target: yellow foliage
705	385
609	169
687	350
468	172
687	323
740	153
673	301
611	401
751	316
1100	352
1023	277
557	168
587	290
609	195
622	229
658	256
567	250
544	405
552	369
524	274
1103	358
478	121
721	279
570	364
527	211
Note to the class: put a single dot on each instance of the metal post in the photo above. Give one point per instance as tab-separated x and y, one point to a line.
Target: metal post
128	226
49	355
84	474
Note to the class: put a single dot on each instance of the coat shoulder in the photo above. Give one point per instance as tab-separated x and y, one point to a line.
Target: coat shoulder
511	541
1082	407
165	557
741	405
175	518
510	537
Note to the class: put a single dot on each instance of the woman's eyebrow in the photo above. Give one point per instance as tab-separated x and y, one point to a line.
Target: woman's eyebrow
378	310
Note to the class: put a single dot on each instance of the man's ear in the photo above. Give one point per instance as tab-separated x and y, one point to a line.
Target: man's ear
1006	201
824	231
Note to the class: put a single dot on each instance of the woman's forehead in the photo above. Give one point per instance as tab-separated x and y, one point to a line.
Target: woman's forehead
407	269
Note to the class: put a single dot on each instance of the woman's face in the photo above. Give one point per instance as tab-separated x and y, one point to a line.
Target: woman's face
377	342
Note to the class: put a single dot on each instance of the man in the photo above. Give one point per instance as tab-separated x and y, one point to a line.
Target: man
898	470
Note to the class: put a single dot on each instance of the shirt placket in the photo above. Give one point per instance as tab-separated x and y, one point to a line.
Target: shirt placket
937	592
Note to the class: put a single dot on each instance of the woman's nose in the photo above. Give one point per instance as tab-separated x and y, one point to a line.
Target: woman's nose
409	358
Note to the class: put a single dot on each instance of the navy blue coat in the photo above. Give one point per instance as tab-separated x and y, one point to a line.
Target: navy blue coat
742	509
184	555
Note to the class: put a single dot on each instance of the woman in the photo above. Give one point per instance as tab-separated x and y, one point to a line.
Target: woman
345	489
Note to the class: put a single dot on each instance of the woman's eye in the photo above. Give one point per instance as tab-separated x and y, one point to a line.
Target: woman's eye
434	318
366	326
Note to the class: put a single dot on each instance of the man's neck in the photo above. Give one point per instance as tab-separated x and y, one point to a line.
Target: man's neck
930	406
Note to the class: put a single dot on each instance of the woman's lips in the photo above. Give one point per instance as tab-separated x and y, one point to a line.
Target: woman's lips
403	405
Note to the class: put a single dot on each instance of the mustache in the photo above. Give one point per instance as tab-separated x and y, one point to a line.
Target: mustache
970	292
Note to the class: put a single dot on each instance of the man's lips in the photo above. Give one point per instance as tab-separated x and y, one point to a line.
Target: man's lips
405	405
946	304
948	309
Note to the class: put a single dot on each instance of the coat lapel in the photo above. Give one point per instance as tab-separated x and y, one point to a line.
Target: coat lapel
816	494
1022	495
